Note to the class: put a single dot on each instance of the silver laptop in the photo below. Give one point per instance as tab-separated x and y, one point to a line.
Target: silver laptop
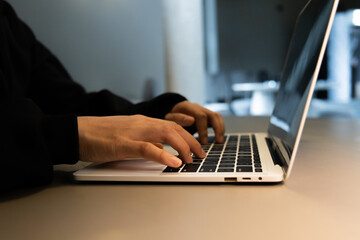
253	157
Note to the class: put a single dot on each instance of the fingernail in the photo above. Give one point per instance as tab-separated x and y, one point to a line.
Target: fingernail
176	162
188	119
186	159
190	159
203	154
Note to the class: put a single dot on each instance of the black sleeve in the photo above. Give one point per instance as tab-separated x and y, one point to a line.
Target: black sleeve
39	104
32	142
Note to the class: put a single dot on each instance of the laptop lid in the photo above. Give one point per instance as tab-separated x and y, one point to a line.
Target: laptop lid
302	65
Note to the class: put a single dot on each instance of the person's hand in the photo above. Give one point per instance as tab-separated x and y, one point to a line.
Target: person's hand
104	139
186	114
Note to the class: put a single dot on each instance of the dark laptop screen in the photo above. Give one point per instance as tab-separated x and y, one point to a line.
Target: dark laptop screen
302	59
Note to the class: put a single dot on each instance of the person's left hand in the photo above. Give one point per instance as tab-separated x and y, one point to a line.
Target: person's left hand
186	114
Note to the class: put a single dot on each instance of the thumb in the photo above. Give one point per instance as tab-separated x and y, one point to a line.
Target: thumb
181	119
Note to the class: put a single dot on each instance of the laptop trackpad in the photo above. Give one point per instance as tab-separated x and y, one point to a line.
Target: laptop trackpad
131	165
122	168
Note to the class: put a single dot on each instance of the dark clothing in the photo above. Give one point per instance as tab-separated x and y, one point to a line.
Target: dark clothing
40	103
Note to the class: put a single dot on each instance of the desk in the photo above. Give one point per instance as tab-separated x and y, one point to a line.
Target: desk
321	200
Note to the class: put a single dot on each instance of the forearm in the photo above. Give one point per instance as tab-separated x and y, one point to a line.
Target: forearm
32	142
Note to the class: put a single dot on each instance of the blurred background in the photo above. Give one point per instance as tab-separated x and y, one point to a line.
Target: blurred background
224	54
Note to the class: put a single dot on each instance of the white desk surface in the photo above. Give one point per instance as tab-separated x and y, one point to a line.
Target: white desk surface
321	200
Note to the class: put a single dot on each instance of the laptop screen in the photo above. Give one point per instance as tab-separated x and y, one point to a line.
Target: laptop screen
300	71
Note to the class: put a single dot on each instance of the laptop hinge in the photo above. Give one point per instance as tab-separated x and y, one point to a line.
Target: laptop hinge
276	155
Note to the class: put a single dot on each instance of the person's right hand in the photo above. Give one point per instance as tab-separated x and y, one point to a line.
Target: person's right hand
105	139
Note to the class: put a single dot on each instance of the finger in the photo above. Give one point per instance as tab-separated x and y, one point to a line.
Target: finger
166	132
217	123
159	145
202	126
199	113
212	118
181	119
149	151
194	145
170	135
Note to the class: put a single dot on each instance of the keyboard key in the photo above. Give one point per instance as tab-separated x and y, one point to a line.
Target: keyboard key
247	155
218	145
214	155
231	147
257	165
245	149
212	152
190	168
244	164
208	169
233	138
212	159
226	164
228	158
206	146
245	160
226	167
258	170
244	169
210	164
197	161
225	170
211	139
171	170
228	161
225	154
232	152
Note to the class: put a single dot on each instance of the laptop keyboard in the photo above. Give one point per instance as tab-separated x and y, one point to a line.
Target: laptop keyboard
239	153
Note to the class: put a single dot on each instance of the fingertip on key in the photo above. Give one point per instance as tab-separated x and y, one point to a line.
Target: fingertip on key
175	162
203	153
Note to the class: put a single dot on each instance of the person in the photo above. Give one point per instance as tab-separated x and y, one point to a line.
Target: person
48	119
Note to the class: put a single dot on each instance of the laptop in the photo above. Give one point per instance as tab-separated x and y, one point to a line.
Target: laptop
251	157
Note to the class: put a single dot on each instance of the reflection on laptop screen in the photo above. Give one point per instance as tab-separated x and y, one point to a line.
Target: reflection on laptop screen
302	58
